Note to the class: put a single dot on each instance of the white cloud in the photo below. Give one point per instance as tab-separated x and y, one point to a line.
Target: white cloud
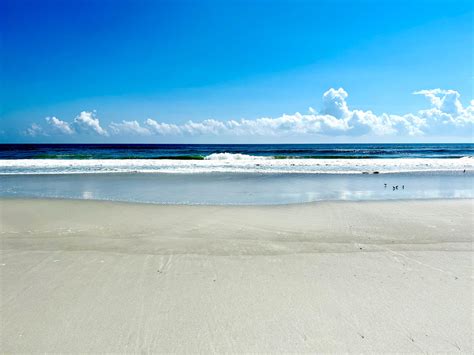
34	130
129	127
446	115
443	100
162	128
334	104
59	126
335	118
87	122
205	127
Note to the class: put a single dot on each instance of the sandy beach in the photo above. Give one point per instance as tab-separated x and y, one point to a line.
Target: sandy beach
90	276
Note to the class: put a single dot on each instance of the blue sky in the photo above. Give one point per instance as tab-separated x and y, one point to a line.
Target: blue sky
236	71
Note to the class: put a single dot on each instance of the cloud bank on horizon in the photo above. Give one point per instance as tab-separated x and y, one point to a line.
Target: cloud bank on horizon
446	115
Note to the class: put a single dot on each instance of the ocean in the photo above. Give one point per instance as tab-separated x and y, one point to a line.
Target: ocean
203	151
237	174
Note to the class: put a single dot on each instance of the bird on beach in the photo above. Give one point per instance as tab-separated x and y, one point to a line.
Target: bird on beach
385	185
403	187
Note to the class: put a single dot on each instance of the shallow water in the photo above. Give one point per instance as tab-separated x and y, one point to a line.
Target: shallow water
239	188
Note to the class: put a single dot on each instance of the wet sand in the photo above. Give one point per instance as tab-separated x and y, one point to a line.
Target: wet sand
89	276
239	189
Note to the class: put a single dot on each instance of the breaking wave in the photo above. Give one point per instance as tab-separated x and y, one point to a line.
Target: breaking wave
235	163
235	156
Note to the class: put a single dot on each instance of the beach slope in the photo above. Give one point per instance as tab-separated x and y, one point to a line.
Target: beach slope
90	276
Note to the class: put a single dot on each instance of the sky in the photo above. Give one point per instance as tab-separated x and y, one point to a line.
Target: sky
237	71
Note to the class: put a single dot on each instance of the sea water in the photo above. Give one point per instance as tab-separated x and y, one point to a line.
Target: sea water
237	174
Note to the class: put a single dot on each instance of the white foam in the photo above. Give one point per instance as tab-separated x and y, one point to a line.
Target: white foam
234	156
232	165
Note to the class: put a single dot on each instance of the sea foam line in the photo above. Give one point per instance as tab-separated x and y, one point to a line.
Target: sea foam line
240	164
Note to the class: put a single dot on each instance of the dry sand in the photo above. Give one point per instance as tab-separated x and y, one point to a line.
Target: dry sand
85	276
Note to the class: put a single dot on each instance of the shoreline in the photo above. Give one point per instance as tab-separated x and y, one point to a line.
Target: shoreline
231	205
248	172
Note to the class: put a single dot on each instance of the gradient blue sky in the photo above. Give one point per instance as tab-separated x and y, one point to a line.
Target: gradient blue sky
180	61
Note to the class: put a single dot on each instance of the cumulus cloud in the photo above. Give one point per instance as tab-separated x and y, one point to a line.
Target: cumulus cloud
129	127
60	126
87	122
162	128
34	131
335	105
447	108
446	114
335	118
443	100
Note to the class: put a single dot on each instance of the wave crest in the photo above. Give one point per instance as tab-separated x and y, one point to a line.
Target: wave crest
234	156
233	163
